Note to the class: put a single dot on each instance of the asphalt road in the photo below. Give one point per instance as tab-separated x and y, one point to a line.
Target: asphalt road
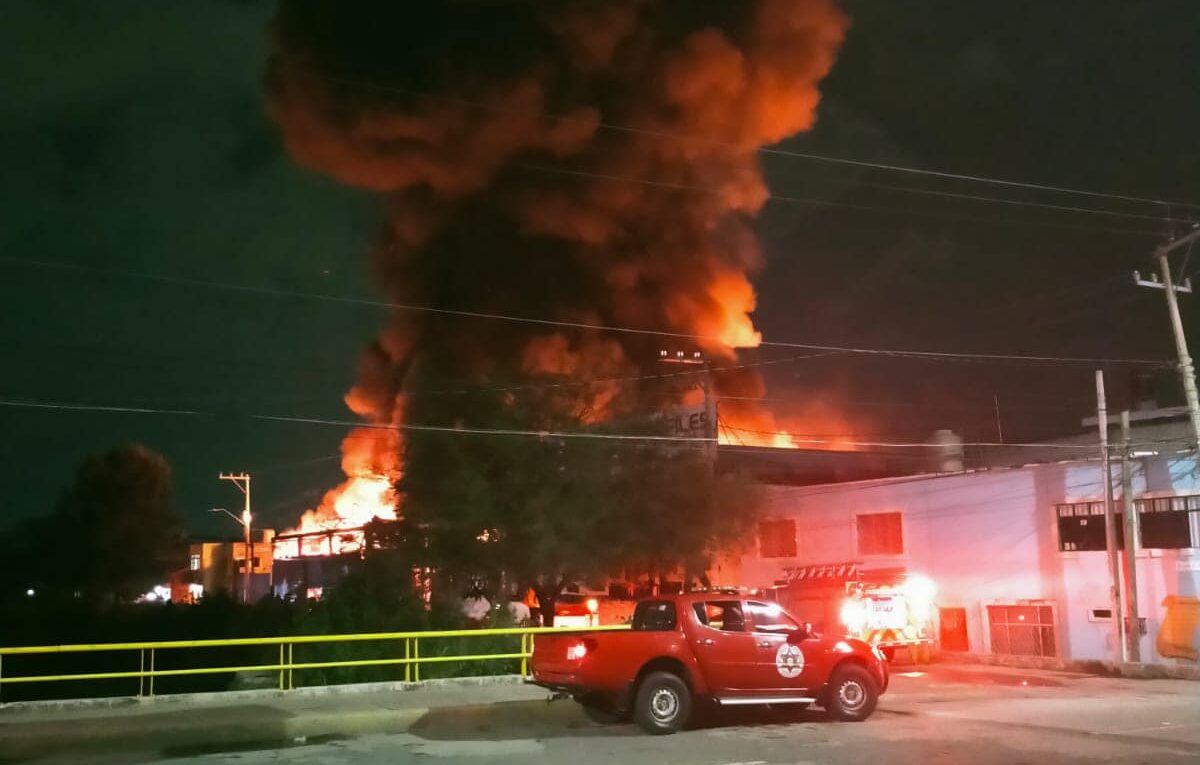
942	715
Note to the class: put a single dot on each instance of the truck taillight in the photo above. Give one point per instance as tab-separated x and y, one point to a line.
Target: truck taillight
593	605
576	651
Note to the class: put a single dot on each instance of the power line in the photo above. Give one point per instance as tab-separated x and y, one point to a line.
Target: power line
1014	202
820	202
364	302
611	380
772	151
475	431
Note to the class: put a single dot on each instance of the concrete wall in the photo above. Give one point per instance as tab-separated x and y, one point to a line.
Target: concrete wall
989	537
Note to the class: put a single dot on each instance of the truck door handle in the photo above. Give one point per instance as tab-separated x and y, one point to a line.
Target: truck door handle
706	641
764	643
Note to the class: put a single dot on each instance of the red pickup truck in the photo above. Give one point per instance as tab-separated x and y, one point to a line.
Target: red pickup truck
712	646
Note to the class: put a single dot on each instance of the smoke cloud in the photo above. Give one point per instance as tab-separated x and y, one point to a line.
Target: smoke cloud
589	161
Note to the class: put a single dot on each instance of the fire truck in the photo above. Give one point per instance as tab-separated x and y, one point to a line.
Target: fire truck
888	608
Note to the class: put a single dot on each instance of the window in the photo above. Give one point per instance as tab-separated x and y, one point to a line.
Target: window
1081	527
777	538
1166	522
880	534
194	562
654	616
769	617
1022	630
724	615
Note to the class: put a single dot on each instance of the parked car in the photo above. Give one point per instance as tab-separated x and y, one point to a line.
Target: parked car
572	609
716	647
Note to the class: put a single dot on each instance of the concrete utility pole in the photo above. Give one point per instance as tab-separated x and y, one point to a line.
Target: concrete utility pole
242	481
710	400
1134	634
1110	528
1186	369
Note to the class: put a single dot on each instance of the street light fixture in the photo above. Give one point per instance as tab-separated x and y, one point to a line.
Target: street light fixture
242	481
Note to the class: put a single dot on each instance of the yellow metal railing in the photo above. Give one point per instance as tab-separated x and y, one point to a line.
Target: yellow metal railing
149	652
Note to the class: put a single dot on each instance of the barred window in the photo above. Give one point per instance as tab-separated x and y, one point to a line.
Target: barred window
1164	523
1022	630
1168	523
1081	527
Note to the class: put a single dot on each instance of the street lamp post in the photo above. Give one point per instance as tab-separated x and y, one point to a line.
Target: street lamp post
244	520
242	481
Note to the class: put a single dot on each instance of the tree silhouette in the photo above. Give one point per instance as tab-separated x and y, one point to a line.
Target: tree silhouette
114	532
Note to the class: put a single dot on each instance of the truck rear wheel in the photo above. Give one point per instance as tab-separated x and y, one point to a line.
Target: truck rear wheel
852	694
663	703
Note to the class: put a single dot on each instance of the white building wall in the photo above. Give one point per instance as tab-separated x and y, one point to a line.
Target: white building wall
988	537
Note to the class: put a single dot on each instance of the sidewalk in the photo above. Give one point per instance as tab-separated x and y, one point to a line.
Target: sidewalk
212	722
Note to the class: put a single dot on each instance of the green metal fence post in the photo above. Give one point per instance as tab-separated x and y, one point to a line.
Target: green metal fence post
416	660
408	660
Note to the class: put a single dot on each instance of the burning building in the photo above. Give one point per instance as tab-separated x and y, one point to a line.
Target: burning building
569	165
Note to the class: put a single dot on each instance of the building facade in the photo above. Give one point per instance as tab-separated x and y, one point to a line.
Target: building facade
1017	554
219	566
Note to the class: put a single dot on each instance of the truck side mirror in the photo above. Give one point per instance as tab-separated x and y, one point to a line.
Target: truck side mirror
797	636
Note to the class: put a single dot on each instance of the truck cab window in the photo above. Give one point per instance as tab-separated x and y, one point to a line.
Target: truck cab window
769	617
724	615
654	616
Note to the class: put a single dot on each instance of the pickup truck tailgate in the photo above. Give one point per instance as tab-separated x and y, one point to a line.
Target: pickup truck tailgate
550	655
598	661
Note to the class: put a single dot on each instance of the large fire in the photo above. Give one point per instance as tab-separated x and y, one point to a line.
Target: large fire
370	459
592	164
816	429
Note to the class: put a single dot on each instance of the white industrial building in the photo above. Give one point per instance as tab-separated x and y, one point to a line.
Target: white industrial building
1018	553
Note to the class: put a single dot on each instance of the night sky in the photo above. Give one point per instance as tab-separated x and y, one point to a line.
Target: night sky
135	141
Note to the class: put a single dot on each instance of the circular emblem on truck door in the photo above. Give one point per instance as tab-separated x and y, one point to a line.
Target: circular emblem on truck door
789	660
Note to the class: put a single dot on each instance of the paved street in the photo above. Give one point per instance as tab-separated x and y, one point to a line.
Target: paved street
943	715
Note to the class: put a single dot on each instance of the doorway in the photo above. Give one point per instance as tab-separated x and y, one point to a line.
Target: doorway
952	630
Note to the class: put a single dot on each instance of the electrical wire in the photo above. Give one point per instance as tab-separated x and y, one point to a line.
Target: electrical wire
821	202
364	302
768	150
475	431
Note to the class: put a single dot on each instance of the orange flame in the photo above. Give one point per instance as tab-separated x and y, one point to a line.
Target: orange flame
370	459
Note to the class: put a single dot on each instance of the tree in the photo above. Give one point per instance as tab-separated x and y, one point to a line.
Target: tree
115	531
546	511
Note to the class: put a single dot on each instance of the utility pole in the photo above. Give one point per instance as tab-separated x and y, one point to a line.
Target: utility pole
1110	527
710	413
999	427
242	481
710	400
1133	633
1186	369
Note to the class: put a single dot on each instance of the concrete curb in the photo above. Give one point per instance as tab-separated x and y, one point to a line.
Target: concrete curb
175	735
206	723
1100	668
252	695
